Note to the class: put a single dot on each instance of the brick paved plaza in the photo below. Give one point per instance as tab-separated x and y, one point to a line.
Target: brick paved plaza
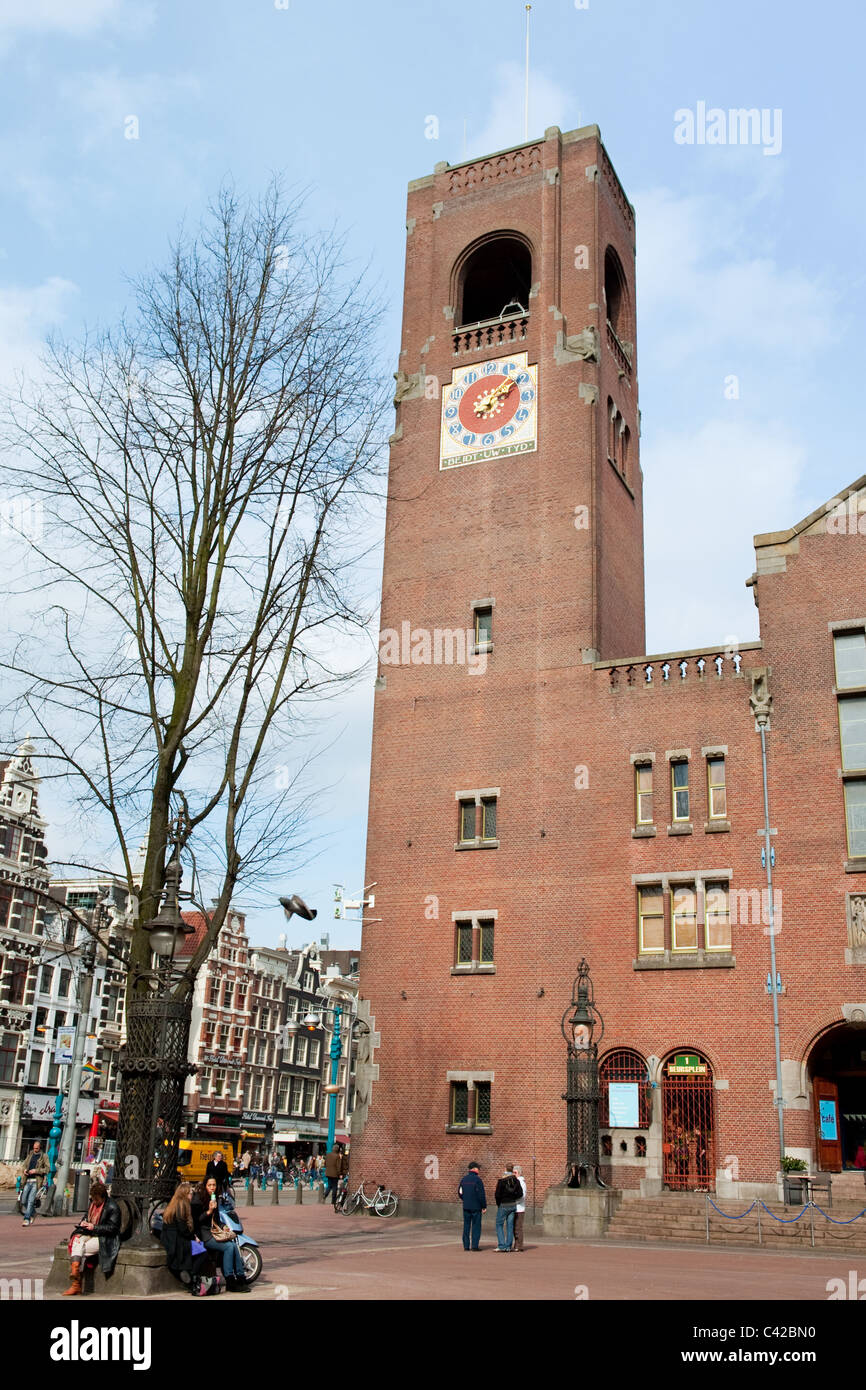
312	1254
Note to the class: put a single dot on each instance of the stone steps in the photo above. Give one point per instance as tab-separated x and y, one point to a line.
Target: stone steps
681	1219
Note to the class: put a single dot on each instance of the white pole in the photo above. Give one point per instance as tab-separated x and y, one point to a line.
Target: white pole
526	88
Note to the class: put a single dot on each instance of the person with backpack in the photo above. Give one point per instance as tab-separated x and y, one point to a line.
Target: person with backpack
508	1193
472	1195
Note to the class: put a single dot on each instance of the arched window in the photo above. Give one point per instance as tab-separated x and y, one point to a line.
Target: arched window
616	295
494	280
623	451
625	1066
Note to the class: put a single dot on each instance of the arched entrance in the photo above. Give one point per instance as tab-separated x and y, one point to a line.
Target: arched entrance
837	1068
688	1123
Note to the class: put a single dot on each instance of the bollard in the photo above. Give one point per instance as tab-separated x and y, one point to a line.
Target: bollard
321	1192
251	1194
275	1194
299	1195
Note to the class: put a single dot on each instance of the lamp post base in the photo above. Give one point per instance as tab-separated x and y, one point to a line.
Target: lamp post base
579	1213
138	1273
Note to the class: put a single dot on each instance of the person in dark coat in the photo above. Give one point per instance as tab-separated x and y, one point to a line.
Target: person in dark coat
225	1253
177	1236
98	1234
219	1169
472	1195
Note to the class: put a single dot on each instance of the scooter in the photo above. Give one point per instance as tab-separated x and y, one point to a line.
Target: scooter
249	1248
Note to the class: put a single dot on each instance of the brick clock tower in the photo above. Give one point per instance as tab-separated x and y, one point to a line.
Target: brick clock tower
513	561
541	792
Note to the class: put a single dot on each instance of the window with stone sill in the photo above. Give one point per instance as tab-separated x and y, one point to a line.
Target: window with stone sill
643	792
684	919
477	819
470	1105
679	792
473	943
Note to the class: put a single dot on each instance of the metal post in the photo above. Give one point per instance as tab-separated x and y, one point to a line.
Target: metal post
67	1146
780	1099
336	1049
707	1210
54	1134
760	1241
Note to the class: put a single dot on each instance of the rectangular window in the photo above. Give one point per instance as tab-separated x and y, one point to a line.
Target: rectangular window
470	1108
680	791
852	730
651	921
643	785
485	941
717	798
684	918
283	1093
34	1069
488	825
855	816
718	918
10	841
464	944
45	979
483	626
467	820
850	650
297	1095
18	981
311	1095
301	1047
315	1049
8	1053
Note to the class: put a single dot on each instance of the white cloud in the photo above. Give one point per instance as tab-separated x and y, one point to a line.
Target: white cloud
106	99
702	285
26	315
75	17
707	491
549	104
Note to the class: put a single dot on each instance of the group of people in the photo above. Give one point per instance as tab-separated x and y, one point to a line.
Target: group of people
196	1237
510	1198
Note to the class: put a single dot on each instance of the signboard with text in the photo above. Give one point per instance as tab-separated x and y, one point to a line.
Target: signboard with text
623	1105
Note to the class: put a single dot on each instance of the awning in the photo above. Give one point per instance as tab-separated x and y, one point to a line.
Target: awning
218	1129
252	1133
286	1136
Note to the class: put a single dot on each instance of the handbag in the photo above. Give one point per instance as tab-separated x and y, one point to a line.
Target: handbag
196	1247
221	1233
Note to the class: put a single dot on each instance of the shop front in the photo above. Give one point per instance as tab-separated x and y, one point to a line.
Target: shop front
37	1117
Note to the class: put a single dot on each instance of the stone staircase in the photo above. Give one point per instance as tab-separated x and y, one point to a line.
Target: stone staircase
680	1218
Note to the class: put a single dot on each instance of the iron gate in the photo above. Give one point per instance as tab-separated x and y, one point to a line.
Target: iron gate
688	1123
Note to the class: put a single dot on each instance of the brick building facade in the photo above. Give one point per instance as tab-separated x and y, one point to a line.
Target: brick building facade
543	791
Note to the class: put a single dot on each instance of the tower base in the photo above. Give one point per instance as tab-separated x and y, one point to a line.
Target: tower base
577	1213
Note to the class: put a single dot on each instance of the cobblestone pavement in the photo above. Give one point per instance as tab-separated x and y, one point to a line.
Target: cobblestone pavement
311	1253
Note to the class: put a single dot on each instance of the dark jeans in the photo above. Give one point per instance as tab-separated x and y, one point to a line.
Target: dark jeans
226	1256
471	1229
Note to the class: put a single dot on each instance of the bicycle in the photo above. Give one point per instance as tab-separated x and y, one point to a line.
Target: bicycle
382	1203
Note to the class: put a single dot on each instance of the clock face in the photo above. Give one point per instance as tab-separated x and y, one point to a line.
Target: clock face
490	409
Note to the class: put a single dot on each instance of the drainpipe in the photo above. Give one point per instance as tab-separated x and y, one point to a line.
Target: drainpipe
762	720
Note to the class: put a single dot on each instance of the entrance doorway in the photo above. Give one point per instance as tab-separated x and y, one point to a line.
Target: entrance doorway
688	1123
837	1068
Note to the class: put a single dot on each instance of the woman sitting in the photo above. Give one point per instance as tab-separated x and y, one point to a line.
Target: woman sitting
206	1221
178	1234
98	1234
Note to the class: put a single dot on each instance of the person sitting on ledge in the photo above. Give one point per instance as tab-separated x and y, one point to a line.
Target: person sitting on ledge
98	1234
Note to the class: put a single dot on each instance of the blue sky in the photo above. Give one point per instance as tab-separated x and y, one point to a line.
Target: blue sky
749	264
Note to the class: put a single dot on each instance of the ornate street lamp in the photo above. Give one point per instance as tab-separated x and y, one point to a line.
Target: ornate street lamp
154	1068
579	1024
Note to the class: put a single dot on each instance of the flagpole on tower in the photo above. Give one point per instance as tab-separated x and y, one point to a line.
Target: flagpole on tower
526	85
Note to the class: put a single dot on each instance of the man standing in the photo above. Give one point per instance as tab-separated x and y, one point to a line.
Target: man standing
508	1193
34	1172
520	1209
472	1195
333	1169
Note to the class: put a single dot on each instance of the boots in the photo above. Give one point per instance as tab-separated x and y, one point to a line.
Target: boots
75	1278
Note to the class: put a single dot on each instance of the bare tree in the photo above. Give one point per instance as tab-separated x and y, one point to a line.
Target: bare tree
203	471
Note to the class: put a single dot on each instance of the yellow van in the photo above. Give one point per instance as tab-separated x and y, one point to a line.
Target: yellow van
193	1158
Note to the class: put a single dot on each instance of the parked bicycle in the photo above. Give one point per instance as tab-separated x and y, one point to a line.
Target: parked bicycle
382	1203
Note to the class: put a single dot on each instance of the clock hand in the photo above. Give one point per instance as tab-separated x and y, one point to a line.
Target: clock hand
484	405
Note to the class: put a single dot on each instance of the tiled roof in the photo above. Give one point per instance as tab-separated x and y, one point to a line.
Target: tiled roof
194	940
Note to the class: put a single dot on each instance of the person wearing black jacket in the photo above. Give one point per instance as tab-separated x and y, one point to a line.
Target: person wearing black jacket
177	1237
507	1195
472	1195
98	1234
225	1253
218	1168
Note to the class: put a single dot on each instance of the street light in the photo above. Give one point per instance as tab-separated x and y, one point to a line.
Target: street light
578	1028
